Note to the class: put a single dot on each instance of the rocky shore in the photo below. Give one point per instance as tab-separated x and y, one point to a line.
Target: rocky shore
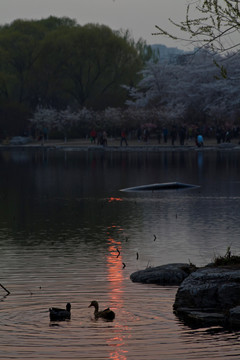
170	274
206	296
210	296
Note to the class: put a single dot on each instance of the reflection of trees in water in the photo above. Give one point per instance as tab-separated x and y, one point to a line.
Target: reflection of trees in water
56	194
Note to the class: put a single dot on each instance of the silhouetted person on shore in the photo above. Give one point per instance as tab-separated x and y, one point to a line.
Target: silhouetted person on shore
165	135
159	134
124	138
139	134
93	135
199	140
173	134
182	135
104	137
145	135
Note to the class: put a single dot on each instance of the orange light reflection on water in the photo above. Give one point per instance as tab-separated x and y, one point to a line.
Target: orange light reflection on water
111	199
115	278
115	275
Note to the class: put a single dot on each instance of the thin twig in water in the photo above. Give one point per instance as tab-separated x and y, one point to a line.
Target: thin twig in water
8	292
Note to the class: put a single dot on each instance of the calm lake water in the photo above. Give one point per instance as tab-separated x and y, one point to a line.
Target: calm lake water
62	219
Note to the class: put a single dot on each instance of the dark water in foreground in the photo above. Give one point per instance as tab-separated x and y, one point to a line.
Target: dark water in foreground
62	218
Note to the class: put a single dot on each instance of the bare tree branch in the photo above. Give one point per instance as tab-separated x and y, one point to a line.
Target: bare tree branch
216	24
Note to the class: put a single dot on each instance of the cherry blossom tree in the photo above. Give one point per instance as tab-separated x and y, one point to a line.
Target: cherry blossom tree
43	120
192	92
46	119
65	120
197	84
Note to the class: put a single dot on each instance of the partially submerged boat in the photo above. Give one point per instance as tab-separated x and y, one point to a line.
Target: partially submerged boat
161	186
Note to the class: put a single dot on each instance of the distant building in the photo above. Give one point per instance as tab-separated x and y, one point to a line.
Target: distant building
169	54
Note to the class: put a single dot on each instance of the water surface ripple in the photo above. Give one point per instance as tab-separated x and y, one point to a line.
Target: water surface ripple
66	230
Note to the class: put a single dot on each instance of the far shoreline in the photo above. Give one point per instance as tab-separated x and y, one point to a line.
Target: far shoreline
114	146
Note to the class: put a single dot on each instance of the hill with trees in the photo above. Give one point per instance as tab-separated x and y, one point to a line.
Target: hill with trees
57	63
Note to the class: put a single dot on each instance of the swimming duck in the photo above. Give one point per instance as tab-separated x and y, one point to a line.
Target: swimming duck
57	314
106	314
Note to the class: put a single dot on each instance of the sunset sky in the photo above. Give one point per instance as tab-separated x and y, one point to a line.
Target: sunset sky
138	16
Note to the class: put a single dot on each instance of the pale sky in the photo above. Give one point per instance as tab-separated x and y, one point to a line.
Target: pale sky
138	16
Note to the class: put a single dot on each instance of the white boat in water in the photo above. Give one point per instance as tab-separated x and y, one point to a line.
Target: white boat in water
161	186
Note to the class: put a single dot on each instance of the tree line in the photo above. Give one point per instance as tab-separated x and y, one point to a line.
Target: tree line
60	76
198	92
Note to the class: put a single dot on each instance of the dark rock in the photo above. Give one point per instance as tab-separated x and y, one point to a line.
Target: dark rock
211	295
199	318
171	274
234	317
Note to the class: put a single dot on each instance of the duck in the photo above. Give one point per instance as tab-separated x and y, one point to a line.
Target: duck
57	314
106	314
